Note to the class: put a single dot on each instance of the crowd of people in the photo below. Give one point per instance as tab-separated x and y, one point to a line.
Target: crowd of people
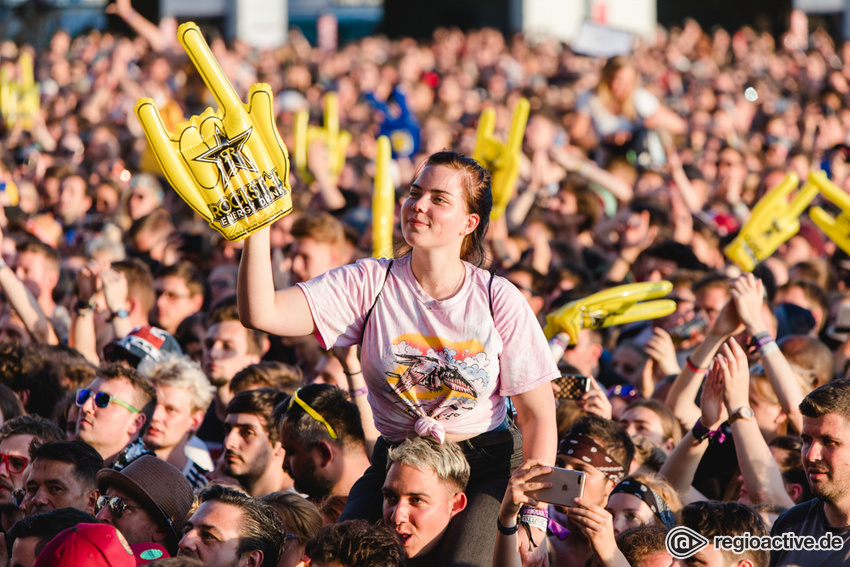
286	399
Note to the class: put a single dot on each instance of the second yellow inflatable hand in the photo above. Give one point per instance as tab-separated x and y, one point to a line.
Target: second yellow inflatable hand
773	221
501	160
614	306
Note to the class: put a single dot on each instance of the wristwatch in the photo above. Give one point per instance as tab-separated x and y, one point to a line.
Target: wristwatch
742	413
120	314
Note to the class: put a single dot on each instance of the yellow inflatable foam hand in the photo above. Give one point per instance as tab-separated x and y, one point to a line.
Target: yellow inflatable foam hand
28	92
836	228
614	306
773	221
383	203
501	160
231	166
336	141
19	96
7	104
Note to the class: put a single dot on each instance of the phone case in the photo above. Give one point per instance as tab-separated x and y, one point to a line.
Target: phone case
572	386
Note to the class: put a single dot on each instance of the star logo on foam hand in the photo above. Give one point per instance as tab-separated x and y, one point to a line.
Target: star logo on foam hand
228	154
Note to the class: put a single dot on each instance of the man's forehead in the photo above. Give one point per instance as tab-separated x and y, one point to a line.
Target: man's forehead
172	282
405	479
218	515
832	424
227	330
109	385
19	442
640	415
45	467
244	419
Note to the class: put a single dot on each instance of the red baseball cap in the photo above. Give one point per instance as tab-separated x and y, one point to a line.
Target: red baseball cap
96	545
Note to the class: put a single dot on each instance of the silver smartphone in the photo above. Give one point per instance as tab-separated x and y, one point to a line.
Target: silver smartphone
566	486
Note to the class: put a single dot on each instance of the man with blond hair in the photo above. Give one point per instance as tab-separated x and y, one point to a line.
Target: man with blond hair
423	491
183	396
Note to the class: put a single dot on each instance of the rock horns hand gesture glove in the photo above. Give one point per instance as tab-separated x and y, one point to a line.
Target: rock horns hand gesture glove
615	306
836	228
773	221
501	160
231	166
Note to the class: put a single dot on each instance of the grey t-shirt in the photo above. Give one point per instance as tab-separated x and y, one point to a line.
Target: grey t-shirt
808	519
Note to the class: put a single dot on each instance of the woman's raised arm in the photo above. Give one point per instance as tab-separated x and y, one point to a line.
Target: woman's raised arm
284	313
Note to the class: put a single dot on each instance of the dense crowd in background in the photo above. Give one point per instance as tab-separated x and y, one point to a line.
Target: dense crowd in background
637	168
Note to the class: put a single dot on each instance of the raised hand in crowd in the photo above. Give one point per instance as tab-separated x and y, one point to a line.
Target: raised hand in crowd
597	524
761	475
596	401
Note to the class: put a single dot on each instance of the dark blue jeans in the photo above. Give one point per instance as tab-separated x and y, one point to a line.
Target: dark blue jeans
469	541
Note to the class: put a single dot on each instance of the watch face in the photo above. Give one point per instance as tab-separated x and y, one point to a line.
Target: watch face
743	413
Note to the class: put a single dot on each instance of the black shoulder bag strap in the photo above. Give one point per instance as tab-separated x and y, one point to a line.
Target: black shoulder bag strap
374	303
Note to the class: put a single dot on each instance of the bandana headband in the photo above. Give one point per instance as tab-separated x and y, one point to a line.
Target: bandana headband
652	499
588	450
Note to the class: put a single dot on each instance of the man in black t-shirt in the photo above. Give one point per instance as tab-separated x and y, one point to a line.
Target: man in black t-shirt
826	460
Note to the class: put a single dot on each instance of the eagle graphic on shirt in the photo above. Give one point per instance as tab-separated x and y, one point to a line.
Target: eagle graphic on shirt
437	378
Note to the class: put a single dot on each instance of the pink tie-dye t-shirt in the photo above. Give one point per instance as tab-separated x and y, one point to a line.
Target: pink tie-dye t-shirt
445	363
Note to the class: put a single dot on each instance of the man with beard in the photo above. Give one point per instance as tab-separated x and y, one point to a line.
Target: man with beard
252	451
15	438
324	457
229	529
826	460
228	348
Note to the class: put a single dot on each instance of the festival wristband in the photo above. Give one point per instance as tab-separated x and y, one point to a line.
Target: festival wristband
693	367
768	348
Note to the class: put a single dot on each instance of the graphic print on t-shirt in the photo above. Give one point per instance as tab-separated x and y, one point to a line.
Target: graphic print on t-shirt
438	378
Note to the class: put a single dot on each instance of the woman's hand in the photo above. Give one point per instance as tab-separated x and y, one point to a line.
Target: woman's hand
115	289
597	524
711	400
748	293
735	373
517	495
88	280
728	321
661	349
596	401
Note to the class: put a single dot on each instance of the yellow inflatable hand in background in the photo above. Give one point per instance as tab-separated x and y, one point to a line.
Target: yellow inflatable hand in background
336	141
501	160
773	221
383	203
614	306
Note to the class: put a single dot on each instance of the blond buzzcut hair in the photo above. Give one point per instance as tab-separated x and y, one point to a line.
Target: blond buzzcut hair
446	460
180	372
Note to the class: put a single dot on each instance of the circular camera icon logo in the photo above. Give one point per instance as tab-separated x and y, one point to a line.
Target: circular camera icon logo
683	542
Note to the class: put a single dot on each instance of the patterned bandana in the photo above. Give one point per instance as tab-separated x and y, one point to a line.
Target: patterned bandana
583	447
652	499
